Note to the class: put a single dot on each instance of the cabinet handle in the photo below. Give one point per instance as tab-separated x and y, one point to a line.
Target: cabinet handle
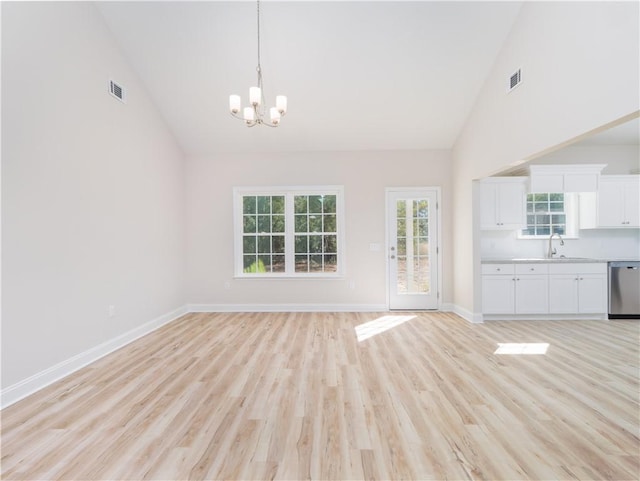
498	269
532	269
582	278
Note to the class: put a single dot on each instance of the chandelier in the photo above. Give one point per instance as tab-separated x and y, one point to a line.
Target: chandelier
255	115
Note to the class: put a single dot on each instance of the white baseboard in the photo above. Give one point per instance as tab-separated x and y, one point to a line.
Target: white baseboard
44	378
287	308
546	317
474	318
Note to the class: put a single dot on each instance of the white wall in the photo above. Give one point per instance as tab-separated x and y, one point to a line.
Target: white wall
580	69
93	192
364	175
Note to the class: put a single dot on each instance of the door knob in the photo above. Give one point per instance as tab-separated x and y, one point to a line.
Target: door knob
392	256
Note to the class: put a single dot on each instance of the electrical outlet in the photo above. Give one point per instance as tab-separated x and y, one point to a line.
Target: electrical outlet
352	284
111	311
227	284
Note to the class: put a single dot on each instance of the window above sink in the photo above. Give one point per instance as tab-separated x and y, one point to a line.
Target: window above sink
551	213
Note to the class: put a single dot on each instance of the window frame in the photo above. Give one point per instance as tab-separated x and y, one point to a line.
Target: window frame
571	217
289	193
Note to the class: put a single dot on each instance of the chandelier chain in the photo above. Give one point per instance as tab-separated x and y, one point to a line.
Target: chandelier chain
259	68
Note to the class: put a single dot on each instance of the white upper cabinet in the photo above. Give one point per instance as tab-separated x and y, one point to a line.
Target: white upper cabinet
502	203
616	204
564	178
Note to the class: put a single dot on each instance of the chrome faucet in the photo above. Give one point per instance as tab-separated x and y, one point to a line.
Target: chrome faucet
552	250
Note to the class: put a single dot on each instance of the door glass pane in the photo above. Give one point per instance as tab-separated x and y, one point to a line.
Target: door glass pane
412	233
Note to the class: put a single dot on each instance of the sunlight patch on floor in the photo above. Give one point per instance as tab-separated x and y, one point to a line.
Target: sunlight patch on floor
379	325
522	348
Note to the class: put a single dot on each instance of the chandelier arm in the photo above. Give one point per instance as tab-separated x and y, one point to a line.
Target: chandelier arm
236	116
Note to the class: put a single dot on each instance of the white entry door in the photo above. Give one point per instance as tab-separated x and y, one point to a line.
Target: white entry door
412	250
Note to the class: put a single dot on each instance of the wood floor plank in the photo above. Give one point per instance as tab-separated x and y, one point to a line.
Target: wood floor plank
294	396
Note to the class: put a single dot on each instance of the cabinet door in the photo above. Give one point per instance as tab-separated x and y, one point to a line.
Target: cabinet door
563	294
488	209
532	294
592	293
585	182
611	199
632	204
511	205
498	294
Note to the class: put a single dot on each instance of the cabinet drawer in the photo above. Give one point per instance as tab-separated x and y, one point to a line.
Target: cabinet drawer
532	268
573	268
496	269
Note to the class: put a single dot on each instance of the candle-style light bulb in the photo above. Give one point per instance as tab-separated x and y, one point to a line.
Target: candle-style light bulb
275	115
281	104
249	114
234	103
255	96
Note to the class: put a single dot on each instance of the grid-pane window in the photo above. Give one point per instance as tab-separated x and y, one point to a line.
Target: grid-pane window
546	214
288	232
315	233
263	233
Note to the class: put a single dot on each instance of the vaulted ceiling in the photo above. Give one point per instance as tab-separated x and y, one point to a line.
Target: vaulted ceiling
358	75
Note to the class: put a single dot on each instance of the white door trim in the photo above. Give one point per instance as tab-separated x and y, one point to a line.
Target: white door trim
438	192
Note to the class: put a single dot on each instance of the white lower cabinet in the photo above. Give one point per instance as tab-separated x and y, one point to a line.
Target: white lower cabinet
544	289
498	294
498	288
515	289
563	293
578	288
532	294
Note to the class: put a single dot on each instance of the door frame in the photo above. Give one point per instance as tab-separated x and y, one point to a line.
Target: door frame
432	189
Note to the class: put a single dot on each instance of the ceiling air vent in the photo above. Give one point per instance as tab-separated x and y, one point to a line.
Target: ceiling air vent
116	90
515	79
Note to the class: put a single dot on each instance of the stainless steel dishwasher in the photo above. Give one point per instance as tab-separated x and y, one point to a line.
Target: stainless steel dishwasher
624	290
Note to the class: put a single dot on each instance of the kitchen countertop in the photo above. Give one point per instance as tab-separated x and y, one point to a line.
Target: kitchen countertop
542	260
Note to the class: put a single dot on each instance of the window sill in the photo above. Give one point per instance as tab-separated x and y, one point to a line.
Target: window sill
289	277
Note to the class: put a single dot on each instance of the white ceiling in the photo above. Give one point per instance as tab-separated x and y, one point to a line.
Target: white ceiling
358	75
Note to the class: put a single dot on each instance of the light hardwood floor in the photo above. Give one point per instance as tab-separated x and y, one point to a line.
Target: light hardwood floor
297	396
